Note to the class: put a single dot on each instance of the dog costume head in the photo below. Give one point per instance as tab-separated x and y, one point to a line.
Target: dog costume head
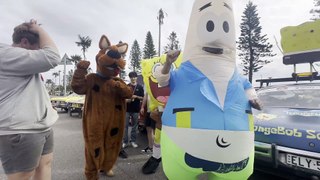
110	57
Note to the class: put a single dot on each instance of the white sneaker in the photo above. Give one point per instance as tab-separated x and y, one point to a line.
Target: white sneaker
147	150
124	145
134	145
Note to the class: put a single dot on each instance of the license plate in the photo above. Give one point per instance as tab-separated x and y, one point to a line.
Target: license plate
303	162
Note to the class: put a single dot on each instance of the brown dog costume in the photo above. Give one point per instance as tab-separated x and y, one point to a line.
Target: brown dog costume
104	108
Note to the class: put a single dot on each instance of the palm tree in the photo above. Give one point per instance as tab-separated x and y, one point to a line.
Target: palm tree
55	74
49	85
49	81
75	59
160	18
69	79
84	43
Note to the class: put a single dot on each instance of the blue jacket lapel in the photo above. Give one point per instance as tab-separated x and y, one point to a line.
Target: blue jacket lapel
206	87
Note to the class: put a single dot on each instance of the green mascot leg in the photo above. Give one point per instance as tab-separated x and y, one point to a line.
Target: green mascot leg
175	167
173	161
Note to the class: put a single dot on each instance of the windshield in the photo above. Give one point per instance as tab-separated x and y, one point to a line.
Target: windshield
291	96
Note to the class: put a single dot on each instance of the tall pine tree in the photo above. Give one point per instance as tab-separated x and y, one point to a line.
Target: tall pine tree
316	11
253	46
173	42
149	50
135	56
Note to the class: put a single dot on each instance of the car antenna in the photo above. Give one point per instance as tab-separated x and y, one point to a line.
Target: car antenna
277	44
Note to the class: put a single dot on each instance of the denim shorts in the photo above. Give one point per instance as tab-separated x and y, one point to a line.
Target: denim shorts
22	152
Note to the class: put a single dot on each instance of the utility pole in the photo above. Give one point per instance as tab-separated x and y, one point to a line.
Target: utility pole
160	18
64	59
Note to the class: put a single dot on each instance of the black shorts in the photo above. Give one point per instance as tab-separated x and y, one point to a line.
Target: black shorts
149	122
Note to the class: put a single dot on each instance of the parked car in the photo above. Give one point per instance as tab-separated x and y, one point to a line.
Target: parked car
287	130
76	105
61	101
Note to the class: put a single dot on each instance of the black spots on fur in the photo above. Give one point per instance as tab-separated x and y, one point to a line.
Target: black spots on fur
114	131
96	152
96	88
119	107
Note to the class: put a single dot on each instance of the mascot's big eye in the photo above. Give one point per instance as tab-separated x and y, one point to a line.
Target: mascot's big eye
156	67
206	28
226	26
210	26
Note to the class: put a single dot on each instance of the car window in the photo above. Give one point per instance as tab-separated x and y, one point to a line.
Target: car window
291	96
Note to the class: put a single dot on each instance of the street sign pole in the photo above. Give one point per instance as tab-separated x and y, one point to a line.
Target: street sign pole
65	62
64	75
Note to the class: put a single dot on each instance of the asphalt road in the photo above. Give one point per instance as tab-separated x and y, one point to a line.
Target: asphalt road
68	161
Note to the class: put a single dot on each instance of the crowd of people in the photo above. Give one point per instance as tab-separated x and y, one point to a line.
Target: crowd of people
112	106
26	134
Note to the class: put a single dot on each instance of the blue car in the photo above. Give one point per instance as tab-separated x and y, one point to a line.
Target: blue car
287	130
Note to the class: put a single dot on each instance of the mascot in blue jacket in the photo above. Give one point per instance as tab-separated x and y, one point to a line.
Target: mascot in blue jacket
207	123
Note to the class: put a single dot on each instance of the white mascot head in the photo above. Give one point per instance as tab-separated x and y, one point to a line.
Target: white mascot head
210	43
211	31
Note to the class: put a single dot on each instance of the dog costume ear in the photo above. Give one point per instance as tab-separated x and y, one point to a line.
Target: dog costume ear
104	42
122	48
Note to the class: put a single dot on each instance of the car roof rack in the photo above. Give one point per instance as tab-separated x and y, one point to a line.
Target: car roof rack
309	76
297	51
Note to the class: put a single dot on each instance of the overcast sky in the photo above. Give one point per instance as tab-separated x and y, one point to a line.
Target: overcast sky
128	20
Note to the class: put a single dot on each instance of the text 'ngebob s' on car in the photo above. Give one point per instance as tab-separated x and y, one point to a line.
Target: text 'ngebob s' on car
287	130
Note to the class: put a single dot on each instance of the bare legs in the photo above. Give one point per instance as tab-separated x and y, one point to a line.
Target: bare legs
150	136
42	172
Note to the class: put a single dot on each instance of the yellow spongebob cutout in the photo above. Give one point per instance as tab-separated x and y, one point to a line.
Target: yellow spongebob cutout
158	95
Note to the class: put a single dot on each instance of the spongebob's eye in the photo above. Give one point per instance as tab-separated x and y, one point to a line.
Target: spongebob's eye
156	68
